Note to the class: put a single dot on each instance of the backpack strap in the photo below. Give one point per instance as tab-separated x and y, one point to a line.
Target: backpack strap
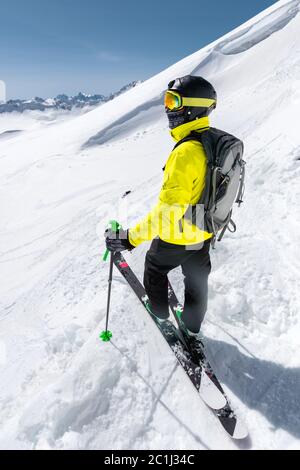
205	197
200	137
240	195
229	224
192	136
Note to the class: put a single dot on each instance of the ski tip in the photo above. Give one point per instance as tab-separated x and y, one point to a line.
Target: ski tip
232	425
240	431
105	336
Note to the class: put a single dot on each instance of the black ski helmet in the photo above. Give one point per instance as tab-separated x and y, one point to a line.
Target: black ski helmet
191	86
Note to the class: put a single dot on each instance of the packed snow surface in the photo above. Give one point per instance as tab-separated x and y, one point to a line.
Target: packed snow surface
63	180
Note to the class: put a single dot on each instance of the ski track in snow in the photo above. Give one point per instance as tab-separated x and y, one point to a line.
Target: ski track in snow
61	388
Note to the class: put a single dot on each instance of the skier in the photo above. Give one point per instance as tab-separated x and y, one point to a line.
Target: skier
177	240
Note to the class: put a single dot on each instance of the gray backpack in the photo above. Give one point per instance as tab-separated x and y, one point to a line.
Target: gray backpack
224	178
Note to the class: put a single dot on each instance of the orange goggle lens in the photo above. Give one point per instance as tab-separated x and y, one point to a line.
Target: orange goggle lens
172	100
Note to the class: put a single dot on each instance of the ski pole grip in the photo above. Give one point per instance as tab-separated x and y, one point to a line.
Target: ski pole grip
105	256
115	226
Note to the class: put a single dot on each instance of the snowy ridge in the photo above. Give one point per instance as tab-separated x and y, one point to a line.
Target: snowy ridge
62	180
260	30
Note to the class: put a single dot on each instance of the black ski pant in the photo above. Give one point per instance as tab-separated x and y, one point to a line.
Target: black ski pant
161	258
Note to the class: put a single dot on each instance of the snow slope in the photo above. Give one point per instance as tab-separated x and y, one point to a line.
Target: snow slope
60	387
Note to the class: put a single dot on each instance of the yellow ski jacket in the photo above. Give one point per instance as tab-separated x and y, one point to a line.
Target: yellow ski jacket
183	184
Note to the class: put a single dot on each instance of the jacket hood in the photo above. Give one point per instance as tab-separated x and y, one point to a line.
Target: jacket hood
180	132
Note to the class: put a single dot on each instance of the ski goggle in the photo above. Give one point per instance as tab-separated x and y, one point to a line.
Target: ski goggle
174	101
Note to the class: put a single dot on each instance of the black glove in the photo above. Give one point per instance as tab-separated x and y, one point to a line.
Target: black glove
117	241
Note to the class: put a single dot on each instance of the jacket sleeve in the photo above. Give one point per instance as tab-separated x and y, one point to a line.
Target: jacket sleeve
174	198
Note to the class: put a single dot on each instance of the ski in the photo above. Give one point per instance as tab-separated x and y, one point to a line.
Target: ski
232	425
199	378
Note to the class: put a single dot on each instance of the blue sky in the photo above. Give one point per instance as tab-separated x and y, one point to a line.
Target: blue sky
53	46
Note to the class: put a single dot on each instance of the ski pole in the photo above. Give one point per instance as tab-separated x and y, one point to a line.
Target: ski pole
106	335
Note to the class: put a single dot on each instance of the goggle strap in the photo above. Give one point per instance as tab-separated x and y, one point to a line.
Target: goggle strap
198	102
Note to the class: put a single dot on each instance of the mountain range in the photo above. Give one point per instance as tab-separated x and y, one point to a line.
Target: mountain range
62	101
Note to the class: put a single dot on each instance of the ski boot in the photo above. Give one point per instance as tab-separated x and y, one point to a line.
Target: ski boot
194	341
164	323
195	344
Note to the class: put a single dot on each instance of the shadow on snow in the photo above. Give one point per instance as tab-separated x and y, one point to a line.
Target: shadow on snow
271	389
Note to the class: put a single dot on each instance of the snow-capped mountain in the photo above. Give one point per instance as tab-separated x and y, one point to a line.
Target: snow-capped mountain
60	183
63	102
